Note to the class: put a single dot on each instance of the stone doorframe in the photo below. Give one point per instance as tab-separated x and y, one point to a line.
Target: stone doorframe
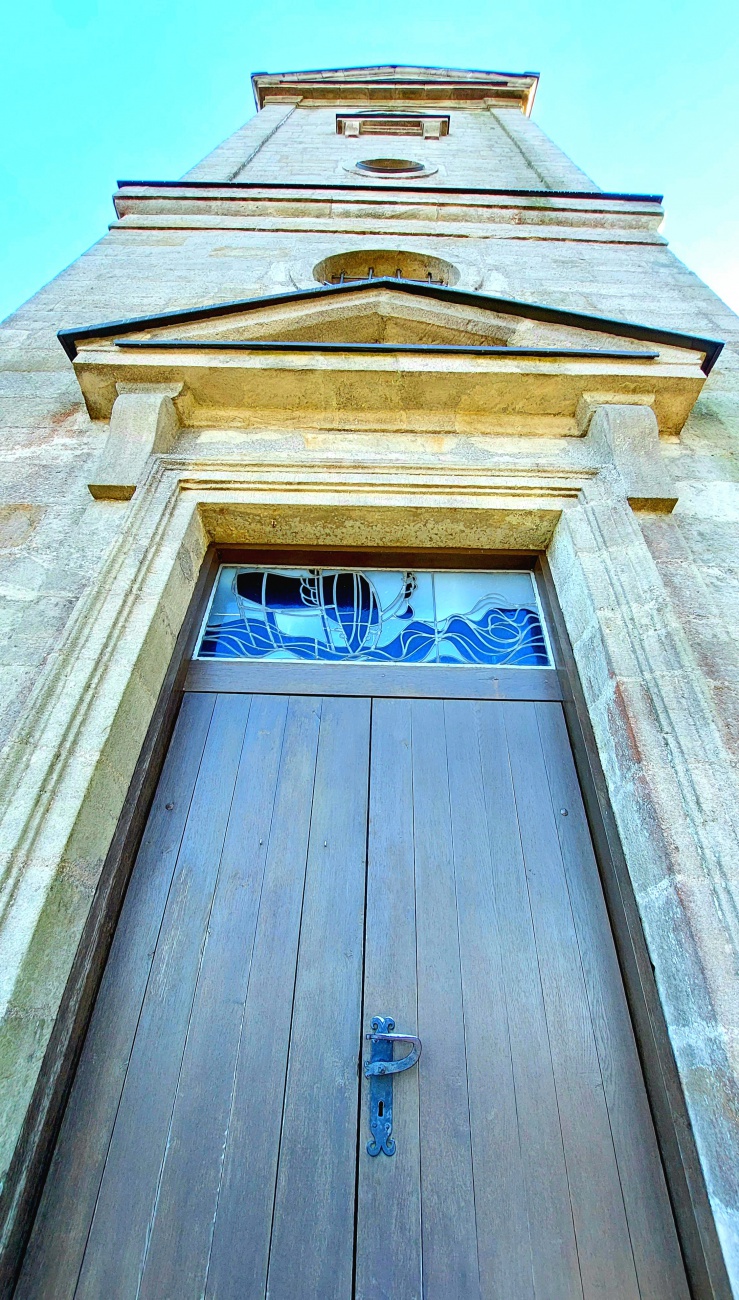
657	753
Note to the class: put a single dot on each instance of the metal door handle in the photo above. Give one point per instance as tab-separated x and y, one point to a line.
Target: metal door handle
392	1067
380	1070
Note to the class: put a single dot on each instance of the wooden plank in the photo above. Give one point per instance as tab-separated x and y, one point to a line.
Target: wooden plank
554	1252
389	1261
424	681
243	1221
659	1266
180	1236
117	1242
313	1234
57	1245
603	1243
503	1243
357	557
447	1194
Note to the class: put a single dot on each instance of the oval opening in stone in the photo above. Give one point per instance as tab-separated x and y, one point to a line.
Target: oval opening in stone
390	166
370	264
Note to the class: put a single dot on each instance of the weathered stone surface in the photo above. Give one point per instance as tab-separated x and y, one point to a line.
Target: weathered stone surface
628	436
143	423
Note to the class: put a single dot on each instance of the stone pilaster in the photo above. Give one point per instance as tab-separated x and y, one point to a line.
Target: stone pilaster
555	169
230	158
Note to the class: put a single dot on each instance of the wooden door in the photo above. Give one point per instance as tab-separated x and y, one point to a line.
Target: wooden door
311	861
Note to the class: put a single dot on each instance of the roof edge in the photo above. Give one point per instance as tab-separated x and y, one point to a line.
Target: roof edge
341	81
711	348
541	192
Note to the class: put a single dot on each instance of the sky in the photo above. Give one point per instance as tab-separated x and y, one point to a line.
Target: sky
642	95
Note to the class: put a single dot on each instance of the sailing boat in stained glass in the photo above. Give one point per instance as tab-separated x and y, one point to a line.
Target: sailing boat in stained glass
374	616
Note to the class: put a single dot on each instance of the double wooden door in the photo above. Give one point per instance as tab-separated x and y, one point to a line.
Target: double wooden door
311	862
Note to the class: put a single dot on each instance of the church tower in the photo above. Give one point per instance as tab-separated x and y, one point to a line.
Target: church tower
369	772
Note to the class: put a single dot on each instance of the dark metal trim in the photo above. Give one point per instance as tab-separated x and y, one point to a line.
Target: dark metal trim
503	82
360	557
605	195
290	345
23	1186
696	1226
711	348
487	74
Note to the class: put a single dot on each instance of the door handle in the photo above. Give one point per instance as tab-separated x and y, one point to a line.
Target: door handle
380	1070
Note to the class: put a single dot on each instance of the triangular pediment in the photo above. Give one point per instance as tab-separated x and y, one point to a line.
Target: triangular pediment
389	311
384	328
378	314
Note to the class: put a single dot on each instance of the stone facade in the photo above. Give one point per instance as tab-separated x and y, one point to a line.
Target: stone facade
636	505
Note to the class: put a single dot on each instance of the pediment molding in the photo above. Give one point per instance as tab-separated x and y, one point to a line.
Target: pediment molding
71	339
391	84
389	353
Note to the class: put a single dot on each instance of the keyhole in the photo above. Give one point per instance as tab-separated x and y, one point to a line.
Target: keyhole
380	1108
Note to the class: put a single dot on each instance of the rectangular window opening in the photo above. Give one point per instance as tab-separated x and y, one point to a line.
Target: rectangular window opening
428	125
391	616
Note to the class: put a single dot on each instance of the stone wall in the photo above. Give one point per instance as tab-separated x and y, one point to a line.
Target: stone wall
61	549
497	148
52	534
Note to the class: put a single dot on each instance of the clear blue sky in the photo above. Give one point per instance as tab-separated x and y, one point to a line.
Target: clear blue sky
641	93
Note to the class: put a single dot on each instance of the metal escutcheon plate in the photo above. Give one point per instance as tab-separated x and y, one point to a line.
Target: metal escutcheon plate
380	1070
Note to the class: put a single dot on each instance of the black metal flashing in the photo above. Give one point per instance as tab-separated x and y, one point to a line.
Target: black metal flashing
407	116
401	67
446	349
611	197
503	306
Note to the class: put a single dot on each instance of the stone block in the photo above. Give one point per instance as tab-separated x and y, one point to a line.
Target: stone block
629	436
143	422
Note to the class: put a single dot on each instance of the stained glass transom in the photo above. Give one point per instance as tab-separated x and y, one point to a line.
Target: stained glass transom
374	616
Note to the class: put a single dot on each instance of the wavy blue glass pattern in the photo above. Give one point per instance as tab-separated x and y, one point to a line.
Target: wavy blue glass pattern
374	616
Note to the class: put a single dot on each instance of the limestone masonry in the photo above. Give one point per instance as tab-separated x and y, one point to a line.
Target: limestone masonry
127	452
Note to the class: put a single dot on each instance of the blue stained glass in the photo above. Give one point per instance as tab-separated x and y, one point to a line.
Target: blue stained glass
374	616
